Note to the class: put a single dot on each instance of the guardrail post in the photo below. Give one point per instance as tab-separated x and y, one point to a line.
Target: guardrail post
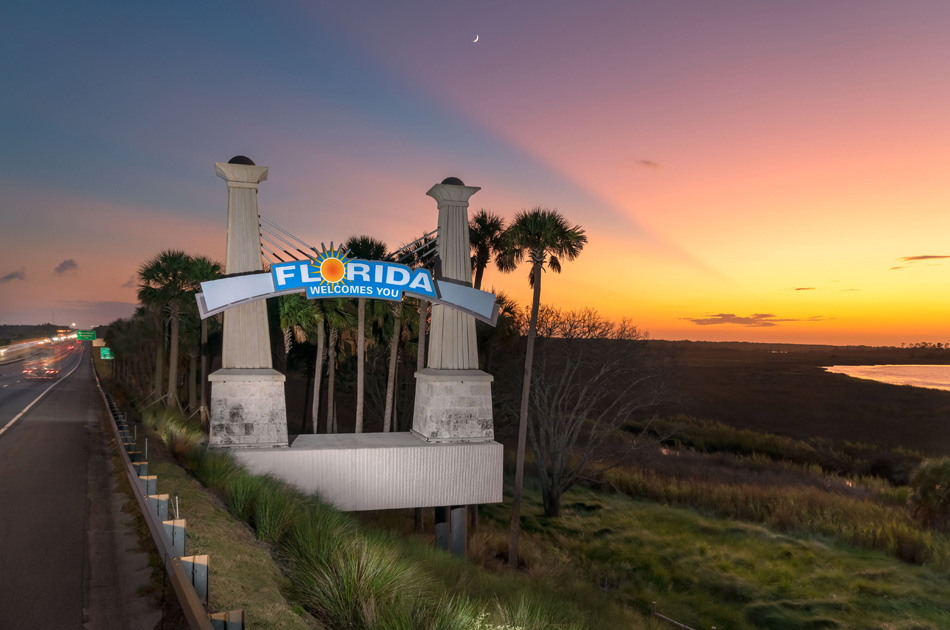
149	484
233	620
175	530
197	568
161	505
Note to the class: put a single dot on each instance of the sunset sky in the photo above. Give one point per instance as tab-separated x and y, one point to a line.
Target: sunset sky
745	170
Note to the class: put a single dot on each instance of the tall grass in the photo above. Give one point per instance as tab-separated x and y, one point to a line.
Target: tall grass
859	522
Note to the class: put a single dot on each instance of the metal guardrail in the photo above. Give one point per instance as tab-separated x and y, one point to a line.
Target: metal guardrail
187	574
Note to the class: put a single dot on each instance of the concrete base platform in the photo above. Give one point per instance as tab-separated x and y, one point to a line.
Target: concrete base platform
247	408
453	406
379	471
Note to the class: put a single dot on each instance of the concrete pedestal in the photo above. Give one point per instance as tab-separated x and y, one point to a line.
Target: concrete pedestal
247	408
453	406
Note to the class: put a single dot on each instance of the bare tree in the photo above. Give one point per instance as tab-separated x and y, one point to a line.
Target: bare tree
592	377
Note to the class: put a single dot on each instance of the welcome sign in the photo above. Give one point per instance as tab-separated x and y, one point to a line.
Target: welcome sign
335	274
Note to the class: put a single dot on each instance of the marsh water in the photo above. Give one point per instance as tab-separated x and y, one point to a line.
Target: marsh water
930	376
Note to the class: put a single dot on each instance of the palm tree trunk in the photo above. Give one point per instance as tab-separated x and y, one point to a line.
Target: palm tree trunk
205	359
160	360
173	363
360	362
318	374
396	394
480	263
523	421
331	378
192	381
420	364
391	379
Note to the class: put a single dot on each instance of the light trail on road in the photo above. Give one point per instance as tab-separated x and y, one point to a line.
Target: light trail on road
13	397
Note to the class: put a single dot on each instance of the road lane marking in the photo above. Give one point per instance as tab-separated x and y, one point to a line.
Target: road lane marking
36	400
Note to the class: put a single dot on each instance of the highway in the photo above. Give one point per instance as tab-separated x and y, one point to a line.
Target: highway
68	556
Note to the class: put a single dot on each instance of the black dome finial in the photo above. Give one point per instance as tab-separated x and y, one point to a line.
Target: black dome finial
242	159
453	181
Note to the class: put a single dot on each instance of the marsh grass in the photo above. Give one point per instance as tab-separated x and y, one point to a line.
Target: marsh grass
704	570
845	459
863	523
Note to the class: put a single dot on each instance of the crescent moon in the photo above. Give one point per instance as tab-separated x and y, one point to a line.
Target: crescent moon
475	40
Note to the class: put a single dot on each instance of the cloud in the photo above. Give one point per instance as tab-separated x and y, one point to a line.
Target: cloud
19	274
131	283
649	164
757	320
66	266
803	289
925	257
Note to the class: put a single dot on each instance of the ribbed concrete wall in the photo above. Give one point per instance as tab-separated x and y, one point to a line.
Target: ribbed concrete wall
376	471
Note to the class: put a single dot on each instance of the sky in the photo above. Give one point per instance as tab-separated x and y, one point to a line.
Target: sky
744	170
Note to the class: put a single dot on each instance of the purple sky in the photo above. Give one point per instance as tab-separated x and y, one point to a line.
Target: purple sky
720	155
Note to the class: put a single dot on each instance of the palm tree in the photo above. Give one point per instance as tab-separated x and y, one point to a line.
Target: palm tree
484	236
298	317
333	313
164	281
540	236
400	312
365	248
203	269
338	319
190	336
503	333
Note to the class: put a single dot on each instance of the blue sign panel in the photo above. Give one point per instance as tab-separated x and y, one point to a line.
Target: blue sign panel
332	274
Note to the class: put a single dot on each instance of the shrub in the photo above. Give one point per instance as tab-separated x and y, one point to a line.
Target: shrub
215	469
358	585
240	494
274	510
930	498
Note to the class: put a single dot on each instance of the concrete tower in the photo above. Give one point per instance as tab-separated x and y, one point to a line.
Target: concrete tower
247	394
453	397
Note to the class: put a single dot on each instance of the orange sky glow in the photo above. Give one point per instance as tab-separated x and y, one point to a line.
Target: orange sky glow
745	172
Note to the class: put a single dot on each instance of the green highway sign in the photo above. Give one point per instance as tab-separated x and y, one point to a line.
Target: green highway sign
85	335
105	353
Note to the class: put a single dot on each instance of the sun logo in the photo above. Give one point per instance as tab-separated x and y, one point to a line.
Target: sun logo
331	264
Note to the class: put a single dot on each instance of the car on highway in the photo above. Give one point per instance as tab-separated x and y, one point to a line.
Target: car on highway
42	371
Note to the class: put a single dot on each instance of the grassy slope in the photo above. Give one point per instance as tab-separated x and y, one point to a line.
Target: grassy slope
243	573
704	571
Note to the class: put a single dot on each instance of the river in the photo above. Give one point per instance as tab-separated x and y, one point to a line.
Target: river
930	376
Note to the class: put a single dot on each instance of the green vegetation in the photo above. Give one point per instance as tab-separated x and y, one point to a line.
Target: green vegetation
705	571
776	547
931	493
347	577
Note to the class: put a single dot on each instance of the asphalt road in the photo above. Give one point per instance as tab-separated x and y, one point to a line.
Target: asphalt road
68	557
